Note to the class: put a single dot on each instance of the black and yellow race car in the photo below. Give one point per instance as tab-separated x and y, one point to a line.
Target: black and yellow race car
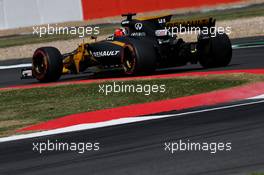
139	46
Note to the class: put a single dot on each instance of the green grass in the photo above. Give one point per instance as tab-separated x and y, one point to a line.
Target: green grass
255	10
30	39
23	107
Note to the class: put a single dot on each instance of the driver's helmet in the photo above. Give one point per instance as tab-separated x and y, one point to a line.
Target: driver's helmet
119	32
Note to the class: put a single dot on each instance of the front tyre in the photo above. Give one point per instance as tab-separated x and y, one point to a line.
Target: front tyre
215	51
47	64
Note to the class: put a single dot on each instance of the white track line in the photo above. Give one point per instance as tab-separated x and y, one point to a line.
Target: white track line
236	47
116	122
16	66
257	97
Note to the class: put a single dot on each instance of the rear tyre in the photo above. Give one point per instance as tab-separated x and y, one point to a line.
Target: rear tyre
47	64
138	59
215	51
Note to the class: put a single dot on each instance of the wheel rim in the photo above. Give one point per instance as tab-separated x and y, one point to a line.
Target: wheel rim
39	65
129	60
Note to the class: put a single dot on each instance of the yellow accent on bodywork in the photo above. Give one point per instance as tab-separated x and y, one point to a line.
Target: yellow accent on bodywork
151	17
76	59
65	71
118	43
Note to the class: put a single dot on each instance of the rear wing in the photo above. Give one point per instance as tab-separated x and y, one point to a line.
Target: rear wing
163	19
197	24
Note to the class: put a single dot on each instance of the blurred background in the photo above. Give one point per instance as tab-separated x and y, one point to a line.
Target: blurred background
17	18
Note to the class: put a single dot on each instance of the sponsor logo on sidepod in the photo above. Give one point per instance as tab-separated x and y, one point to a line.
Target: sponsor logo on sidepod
106	53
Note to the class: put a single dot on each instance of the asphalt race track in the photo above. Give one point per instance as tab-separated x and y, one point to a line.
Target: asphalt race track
139	148
247	58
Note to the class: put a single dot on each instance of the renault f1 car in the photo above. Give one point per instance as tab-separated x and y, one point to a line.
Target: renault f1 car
139	46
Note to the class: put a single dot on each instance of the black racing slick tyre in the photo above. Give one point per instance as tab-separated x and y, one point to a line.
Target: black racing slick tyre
215	51
47	64
138	58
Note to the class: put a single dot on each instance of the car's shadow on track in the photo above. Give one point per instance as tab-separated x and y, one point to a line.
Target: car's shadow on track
115	74
119	74
112	74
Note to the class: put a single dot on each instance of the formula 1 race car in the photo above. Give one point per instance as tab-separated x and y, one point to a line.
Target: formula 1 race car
139	46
